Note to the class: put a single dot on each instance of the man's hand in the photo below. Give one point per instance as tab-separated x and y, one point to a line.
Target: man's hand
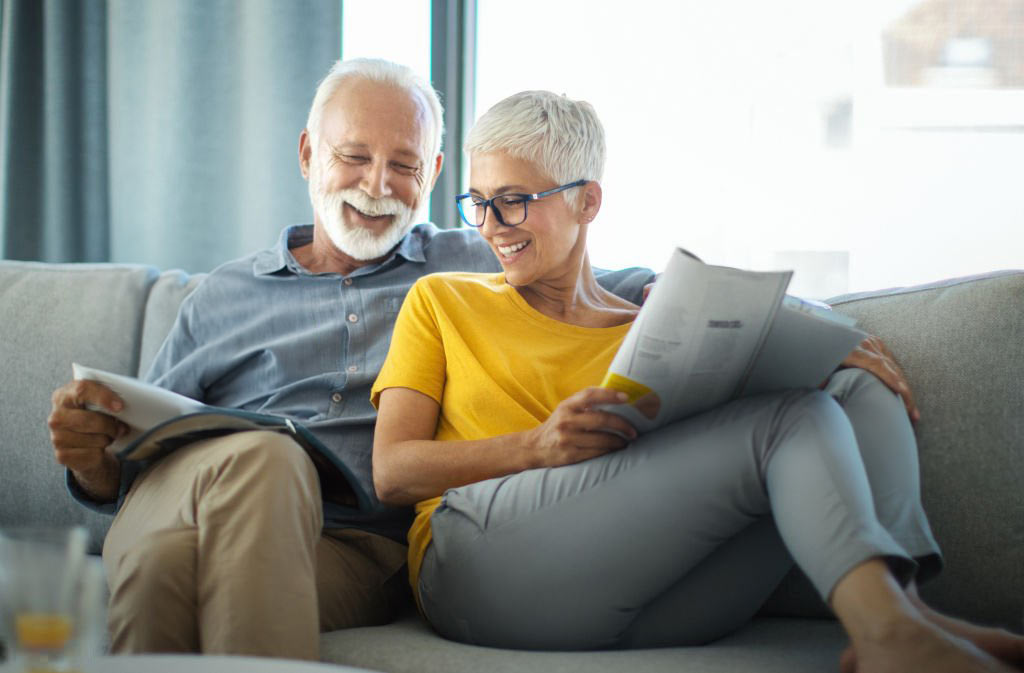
874	356
80	436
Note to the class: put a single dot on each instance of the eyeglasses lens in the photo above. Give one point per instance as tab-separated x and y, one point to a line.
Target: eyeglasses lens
512	209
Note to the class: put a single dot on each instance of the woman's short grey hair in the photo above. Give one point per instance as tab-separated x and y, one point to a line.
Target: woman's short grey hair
563	137
377	70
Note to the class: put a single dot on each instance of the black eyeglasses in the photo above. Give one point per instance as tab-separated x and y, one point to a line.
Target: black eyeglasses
510	209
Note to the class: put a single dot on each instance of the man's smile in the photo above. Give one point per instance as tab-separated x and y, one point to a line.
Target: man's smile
352	210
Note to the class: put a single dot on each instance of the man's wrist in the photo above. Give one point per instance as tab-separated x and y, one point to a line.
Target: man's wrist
102	482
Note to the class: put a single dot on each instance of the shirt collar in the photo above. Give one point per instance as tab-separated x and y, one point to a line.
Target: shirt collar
280	256
411	245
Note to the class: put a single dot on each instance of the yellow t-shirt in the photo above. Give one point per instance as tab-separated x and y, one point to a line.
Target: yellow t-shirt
494	364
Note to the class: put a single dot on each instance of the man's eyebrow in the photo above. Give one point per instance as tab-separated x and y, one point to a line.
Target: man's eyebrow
411	154
362	147
347	147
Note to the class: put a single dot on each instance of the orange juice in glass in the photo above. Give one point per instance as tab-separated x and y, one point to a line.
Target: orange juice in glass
42	632
40	587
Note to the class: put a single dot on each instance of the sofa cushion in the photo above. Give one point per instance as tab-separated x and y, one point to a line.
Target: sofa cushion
765	645
53	314
165	297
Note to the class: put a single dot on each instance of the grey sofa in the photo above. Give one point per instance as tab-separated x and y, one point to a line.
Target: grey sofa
961	343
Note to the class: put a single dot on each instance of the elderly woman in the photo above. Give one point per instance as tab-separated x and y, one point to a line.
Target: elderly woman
543	522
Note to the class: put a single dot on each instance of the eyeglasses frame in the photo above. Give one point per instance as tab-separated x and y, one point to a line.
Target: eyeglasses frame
489	204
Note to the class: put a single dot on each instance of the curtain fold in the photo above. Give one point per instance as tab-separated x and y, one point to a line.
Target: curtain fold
53	131
156	132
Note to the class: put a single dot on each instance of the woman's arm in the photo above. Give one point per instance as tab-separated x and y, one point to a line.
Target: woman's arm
410	466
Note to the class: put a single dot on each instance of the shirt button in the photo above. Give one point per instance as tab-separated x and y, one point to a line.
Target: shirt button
353	368
352	317
348	281
336	398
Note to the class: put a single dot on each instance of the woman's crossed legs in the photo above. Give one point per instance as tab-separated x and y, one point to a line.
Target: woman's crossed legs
673	540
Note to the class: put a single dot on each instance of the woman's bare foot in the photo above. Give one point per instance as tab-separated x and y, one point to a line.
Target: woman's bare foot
917	646
1001	644
890	634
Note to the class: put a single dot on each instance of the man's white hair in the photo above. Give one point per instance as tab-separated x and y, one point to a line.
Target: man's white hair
387	72
563	137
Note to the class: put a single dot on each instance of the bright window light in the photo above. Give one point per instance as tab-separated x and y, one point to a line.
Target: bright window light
864	145
396	30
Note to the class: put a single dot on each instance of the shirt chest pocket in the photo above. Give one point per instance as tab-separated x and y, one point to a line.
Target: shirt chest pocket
392	305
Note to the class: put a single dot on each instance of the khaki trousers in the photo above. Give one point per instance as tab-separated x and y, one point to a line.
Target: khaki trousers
219	548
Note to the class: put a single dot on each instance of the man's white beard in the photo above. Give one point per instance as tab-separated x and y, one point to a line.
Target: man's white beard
355	241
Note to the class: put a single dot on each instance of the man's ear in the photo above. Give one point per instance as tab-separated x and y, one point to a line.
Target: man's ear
438	163
592	195
305	153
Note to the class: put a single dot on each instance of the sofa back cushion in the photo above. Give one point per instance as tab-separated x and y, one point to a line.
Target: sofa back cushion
169	290
51	315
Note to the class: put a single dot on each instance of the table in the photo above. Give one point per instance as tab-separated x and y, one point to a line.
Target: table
192	663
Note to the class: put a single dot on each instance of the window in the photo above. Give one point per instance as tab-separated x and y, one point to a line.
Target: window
396	30
864	145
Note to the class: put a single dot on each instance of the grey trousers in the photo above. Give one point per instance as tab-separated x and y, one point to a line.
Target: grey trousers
679	538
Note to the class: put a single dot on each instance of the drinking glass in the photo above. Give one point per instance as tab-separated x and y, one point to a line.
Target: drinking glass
41	591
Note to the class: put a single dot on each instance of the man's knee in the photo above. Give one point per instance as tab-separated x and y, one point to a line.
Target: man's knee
265	456
268	450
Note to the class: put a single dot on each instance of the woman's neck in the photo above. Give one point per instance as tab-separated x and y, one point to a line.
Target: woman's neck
576	298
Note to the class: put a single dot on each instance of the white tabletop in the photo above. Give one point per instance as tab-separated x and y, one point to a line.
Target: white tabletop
184	663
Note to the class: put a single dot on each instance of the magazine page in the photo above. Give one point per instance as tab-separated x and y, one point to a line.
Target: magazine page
695	340
803	347
145	405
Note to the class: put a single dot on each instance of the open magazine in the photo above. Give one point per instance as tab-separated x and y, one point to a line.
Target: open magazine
709	334
161	421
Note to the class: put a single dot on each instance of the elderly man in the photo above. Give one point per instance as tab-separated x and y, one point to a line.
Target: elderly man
243	544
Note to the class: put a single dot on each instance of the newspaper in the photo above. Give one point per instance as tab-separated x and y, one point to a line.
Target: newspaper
710	334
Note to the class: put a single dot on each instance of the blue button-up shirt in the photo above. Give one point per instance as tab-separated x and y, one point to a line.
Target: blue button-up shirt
264	334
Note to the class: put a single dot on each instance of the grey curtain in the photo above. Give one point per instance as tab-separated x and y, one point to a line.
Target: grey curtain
155	131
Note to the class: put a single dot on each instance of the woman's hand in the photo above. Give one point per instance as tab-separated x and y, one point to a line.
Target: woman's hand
577	430
873	355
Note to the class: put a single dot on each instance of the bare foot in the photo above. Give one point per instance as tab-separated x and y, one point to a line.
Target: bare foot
1001	644
918	646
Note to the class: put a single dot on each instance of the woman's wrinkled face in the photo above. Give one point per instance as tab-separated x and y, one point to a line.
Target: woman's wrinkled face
550	242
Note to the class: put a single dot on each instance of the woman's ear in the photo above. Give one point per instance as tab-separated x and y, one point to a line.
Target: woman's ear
591	200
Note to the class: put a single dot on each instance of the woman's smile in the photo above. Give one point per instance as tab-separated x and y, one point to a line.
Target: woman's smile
511	251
